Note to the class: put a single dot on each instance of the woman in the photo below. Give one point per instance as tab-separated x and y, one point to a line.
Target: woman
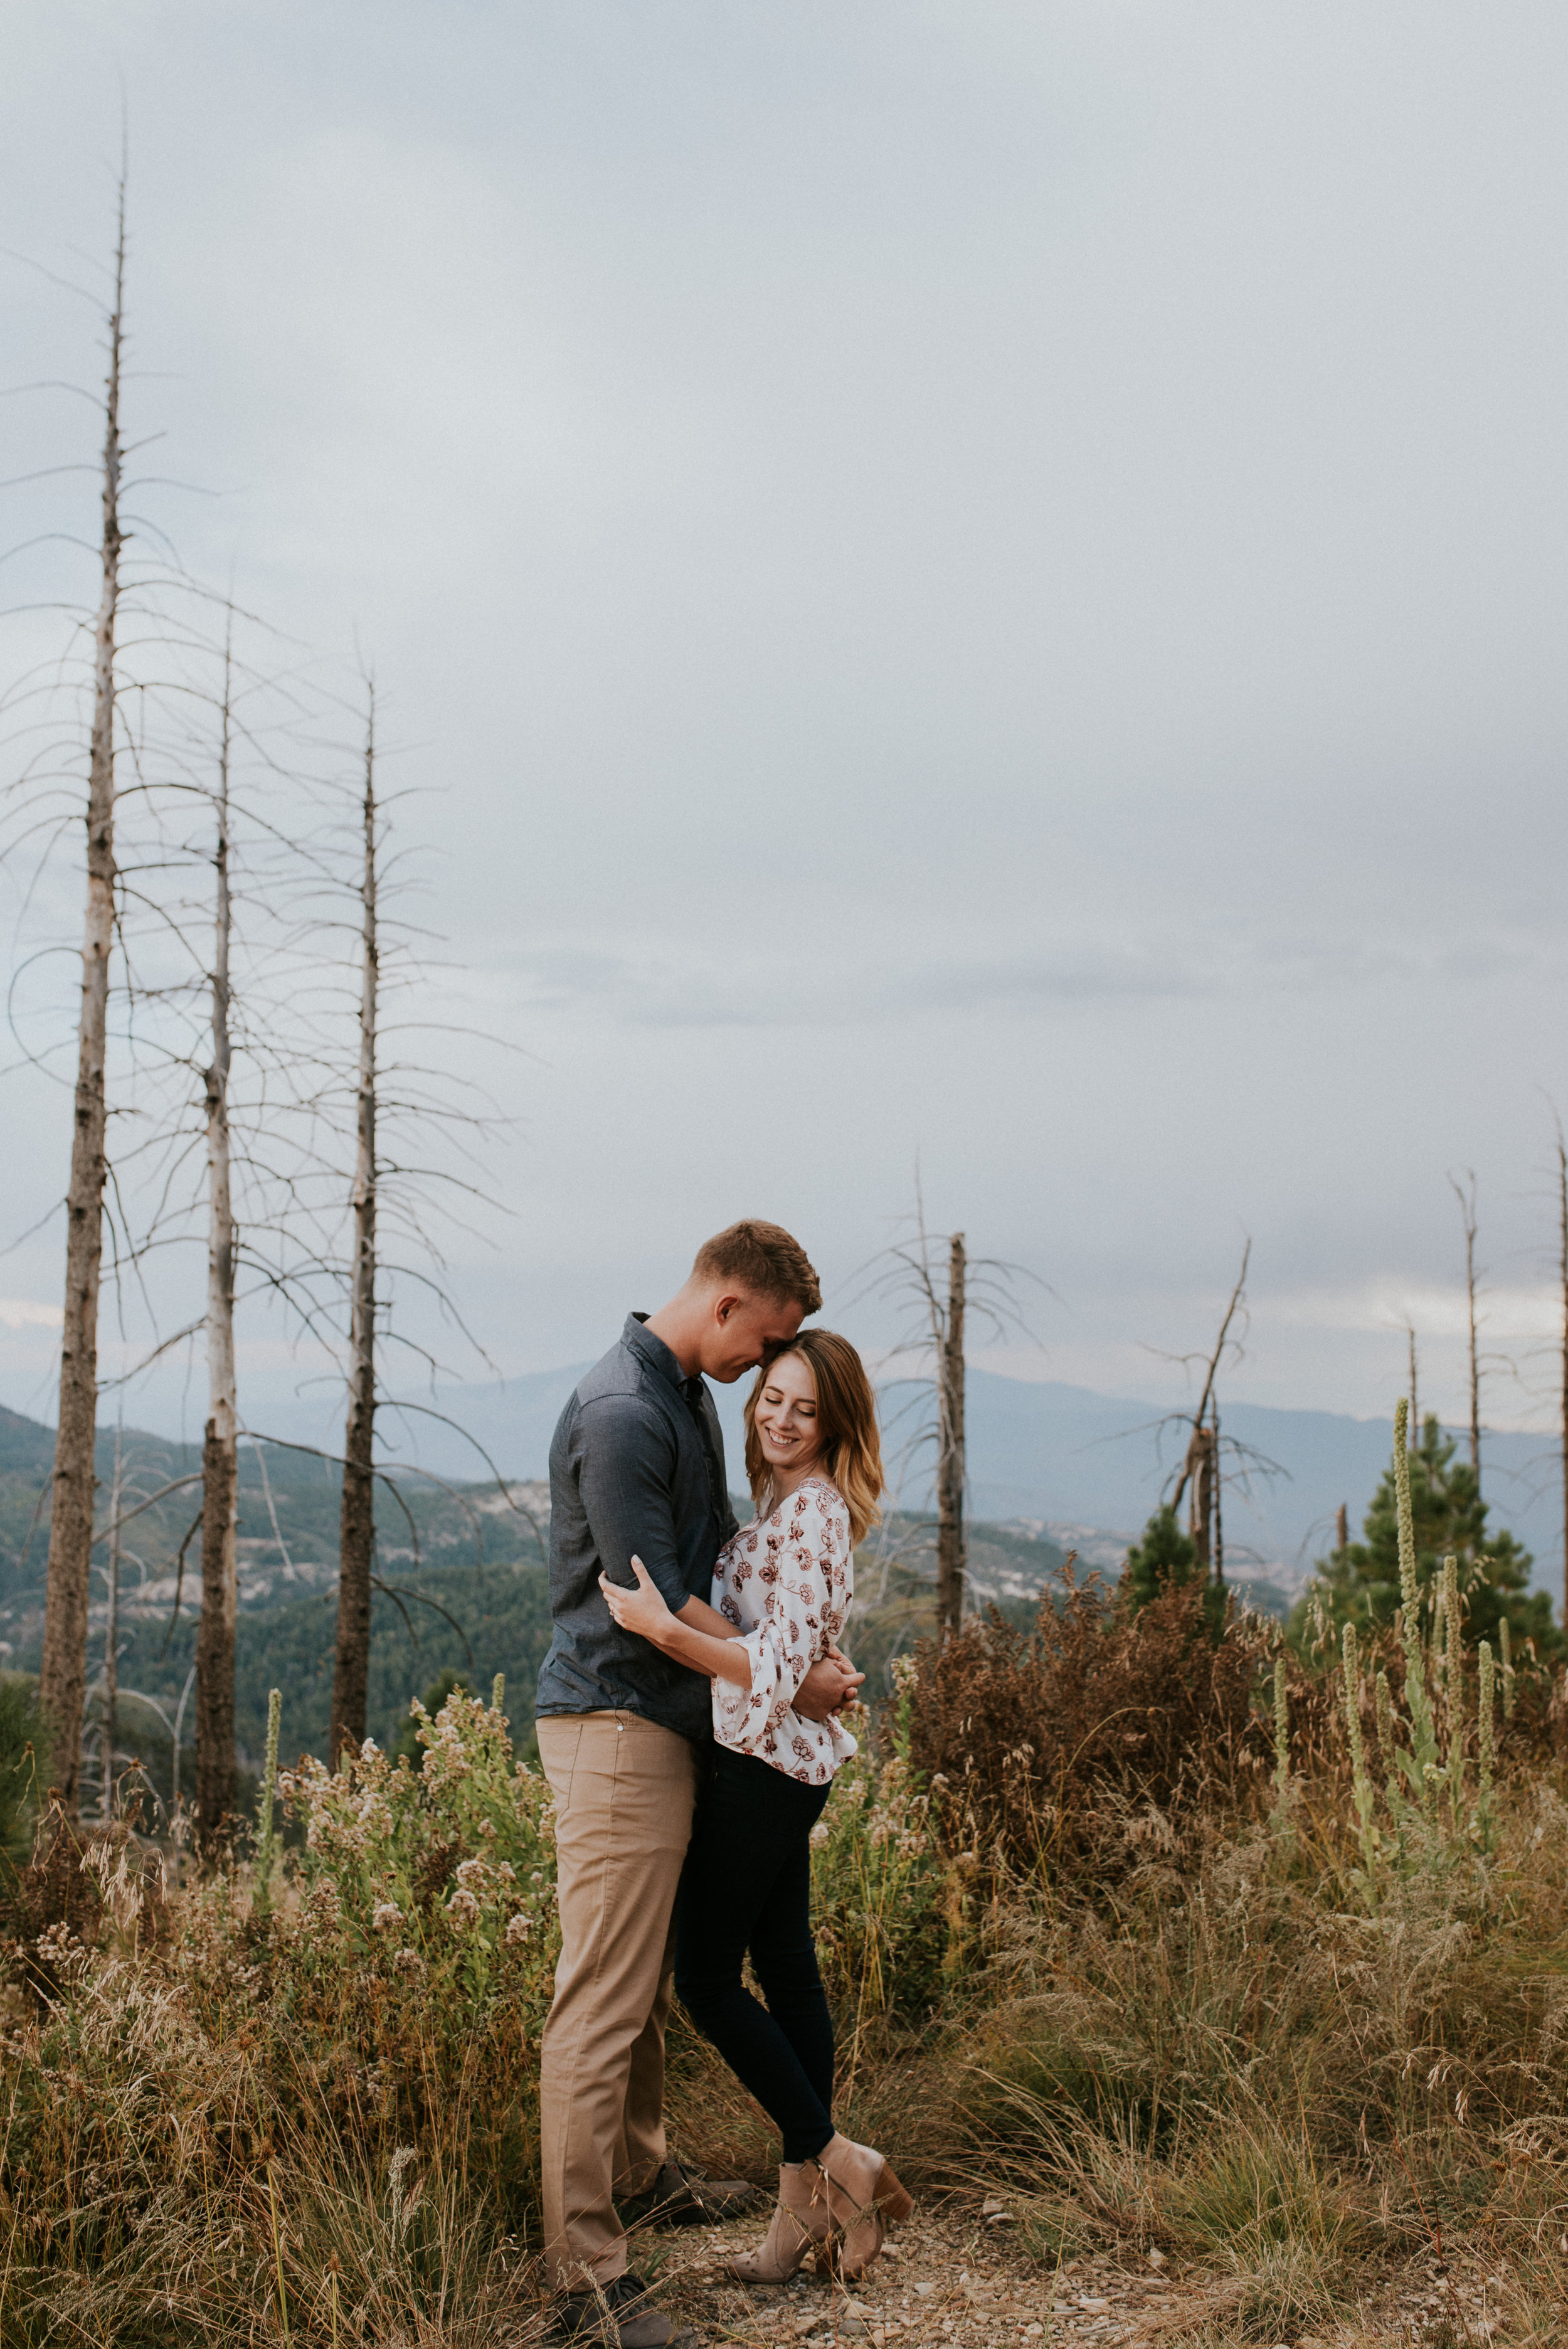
785	1582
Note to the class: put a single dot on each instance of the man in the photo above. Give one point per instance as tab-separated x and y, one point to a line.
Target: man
637	1465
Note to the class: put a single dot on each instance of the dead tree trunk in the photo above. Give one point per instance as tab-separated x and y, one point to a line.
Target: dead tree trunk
111	1631
351	1671
1201	1469
63	1675
220	1450
1466	1210
950	1461
1201	1465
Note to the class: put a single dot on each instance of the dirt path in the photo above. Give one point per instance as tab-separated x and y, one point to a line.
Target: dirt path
956	2279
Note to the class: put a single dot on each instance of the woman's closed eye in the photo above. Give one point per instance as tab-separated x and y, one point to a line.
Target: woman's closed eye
775	1396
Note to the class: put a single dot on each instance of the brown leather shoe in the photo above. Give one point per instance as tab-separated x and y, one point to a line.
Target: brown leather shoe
680	2196
618	2317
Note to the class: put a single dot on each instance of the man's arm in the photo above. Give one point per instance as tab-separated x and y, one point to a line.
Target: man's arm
625	1475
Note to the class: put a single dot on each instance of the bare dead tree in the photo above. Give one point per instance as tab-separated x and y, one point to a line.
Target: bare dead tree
62	1677
938	1315
220	1450
276	1023
950	1448
1211	1460
351	1665
1466	1198
1201	1468
1202	1457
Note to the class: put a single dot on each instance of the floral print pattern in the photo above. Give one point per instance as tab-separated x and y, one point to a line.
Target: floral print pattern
786	1581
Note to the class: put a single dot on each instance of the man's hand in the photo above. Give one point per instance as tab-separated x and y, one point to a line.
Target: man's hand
828	1687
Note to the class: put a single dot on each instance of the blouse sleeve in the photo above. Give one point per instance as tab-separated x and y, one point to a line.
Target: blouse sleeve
804	1592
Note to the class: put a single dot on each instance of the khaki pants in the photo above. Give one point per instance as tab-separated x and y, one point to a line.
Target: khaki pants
624	1789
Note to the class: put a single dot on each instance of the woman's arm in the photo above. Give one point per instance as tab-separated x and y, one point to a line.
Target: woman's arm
796	1591
644	1612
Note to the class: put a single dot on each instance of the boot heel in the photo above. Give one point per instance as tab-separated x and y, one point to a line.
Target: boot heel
893	2199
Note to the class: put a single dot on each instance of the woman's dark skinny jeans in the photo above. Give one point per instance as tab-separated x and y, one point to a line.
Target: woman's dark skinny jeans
746	1885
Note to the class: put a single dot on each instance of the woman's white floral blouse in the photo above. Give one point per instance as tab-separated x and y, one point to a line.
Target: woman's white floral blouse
786	1581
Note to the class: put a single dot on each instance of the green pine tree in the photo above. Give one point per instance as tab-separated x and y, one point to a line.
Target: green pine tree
1166	1556
1361	1584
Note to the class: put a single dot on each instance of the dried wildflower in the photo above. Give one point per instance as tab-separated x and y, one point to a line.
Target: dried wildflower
387	1914
519	1928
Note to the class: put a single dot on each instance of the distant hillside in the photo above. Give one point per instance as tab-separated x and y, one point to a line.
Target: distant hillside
1052	1467
1064	1457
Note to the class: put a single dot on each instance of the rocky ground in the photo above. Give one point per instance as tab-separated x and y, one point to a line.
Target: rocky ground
957	2276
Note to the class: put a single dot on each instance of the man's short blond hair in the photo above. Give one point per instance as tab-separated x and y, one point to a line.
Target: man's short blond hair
764	1260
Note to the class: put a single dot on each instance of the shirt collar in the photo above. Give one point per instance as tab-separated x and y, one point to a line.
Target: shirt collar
654	1350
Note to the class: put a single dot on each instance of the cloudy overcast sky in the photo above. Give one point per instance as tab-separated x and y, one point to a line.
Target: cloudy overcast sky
975	583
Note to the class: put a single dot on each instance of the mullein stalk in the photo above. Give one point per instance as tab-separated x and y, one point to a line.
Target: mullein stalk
1486	1726
269	1792
1281	1733
1386	1735
1362	1782
1454	1685
1505	1635
1417	1697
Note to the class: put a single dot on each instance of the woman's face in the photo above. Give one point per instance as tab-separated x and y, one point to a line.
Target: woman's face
786	1414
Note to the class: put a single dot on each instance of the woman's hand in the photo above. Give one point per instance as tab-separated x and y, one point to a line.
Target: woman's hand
641	1611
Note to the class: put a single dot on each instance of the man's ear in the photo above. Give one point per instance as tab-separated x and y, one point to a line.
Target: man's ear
723	1307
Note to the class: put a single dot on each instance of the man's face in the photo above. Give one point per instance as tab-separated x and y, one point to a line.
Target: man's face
739	1329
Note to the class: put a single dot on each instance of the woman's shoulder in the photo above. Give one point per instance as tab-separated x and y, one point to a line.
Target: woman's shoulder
821	1495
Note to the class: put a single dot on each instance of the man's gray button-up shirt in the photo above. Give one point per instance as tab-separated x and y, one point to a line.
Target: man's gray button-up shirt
636	1464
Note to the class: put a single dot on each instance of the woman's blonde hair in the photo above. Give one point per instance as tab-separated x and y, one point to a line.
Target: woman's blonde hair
849	1452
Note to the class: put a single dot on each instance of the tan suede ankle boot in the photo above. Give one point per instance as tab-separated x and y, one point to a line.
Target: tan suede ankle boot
863	2193
800	2221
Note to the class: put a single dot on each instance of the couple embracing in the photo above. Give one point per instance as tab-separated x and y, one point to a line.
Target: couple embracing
688	1721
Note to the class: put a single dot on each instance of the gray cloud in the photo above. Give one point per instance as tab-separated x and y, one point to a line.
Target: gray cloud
998	572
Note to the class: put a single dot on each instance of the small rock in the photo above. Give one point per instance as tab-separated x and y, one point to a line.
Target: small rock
1157	2258
992	2209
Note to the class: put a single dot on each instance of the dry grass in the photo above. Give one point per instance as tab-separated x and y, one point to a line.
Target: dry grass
1172	2027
